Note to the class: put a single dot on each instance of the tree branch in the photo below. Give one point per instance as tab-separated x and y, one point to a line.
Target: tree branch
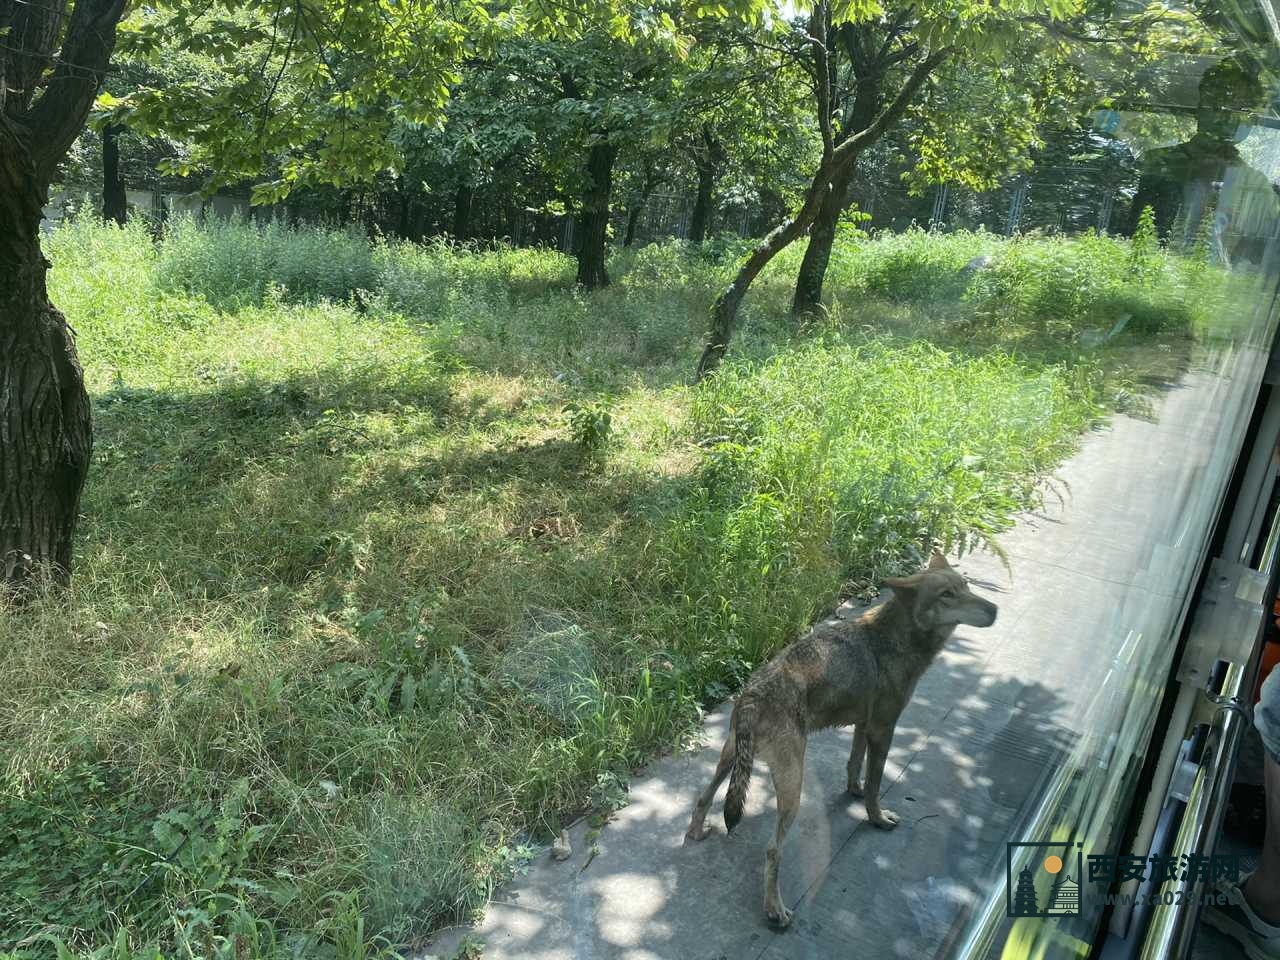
818	35
890	115
57	117
891	34
906	53
35	29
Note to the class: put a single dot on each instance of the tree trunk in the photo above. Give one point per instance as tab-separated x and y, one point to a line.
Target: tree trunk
633	218
404	212
114	200
462	202
866	105
836	160
45	435
709	155
702	203
647	186
813	268
592	227
724	312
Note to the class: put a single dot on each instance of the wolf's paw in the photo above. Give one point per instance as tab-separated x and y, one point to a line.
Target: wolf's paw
887	820
777	915
694	834
855	787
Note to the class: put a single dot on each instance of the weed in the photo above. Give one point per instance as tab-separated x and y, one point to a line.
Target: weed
591	424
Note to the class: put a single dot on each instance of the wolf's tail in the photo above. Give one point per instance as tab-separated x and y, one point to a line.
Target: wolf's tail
743	754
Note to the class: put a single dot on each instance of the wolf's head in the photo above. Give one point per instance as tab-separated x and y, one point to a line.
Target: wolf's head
939	597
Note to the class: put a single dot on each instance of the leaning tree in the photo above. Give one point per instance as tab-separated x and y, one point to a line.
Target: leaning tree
897	49
975	122
983	113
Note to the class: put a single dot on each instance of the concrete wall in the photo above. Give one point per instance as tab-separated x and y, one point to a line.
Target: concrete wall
66	199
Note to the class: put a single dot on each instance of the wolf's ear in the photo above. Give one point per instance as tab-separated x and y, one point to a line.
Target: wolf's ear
903	583
938	562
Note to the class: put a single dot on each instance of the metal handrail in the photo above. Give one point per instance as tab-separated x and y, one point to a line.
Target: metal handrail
1173	924
1269	551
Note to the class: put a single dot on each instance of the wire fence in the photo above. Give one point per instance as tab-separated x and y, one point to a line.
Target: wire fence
1055	205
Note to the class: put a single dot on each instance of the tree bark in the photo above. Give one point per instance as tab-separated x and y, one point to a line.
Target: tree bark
115	204
647	186
45	434
592	227
822	237
702	203
633	218
867	103
404	210
709	155
724	312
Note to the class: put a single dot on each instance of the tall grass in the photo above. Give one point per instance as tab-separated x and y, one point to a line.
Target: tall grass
233	263
835	459
359	612
914	266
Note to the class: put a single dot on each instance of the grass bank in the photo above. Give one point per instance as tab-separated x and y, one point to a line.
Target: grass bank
394	555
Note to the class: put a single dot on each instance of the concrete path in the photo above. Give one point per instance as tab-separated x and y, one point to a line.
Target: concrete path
1064	682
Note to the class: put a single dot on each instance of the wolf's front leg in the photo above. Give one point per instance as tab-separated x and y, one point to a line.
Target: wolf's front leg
877	752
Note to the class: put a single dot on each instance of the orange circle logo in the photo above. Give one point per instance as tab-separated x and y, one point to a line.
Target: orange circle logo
1053	864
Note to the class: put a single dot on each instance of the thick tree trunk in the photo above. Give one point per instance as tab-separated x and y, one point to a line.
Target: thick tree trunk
822	237
115	204
592	227
45	435
701	217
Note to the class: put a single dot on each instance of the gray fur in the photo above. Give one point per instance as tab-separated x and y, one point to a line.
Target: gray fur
858	672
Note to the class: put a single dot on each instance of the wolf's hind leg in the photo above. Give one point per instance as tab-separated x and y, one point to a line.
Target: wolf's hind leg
786	763
855	760
697	830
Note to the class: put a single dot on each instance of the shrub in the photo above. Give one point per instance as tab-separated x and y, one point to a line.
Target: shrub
1061	287
440	280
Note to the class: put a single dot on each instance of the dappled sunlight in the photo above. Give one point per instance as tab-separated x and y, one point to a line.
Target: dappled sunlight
418	421
429	552
1029	728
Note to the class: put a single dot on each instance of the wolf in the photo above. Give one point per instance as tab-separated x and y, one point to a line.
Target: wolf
858	672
